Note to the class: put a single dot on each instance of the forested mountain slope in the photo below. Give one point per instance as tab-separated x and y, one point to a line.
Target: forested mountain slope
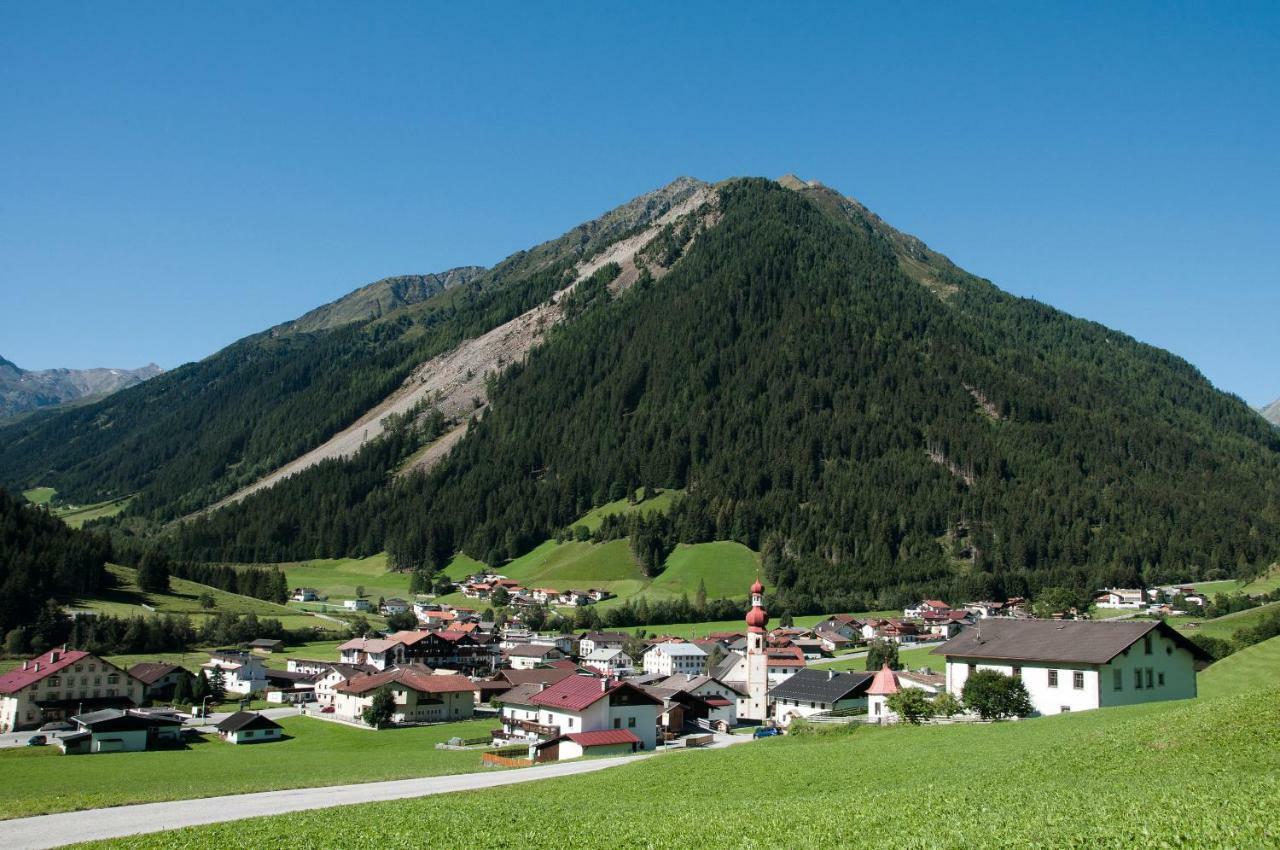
831	392
379	298
193	435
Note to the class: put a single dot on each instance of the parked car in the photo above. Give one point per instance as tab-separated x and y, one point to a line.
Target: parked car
766	732
58	726
328	709
37	741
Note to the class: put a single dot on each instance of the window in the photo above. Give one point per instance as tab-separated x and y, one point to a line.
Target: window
617	723
1065	709
631	723
1053	678
1077	680
112	679
1146	645
1149	677
1017	672
54	681
1137	680
1117	680
570	722
973	668
1160	679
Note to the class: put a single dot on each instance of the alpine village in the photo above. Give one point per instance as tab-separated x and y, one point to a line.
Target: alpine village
731	517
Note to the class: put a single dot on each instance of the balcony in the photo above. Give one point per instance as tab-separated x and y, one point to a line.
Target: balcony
539	729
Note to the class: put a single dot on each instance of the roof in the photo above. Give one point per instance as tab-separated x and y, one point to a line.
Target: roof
576	693
49	663
265	642
933	680
607	637
885	683
409	638
725	667
246	720
814	685
936	603
548	676
373	645
150	672
692	683
417	680
1064	641
520	694
119	720
603	738
603	654
531	650
679	649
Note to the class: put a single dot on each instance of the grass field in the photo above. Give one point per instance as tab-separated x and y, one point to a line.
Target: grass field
39	495
658	504
317	752
1265	583
1225	626
912	659
1241	671
339	578
127	600
320	650
698	630
1200	773
75	515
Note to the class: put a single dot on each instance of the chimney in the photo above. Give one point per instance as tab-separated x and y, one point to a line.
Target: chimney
24	664
37	667
831	674
604	684
53	656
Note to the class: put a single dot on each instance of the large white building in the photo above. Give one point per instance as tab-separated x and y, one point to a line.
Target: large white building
1076	665
60	683
588	704
669	659
242	672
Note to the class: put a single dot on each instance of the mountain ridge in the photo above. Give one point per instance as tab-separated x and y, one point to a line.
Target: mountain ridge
1271	412
25	391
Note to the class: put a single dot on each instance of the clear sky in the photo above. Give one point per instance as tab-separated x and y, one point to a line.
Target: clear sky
175	176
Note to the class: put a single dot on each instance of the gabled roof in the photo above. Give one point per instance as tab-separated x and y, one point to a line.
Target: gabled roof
520	694
49	663
374	645
692	683
603	738
417	680
150	672
607	637
242	720
548	676
822	686
1063	641
604	654
577	693
530	650
675	649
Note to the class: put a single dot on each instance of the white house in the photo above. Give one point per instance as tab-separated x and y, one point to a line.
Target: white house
1076	665
529	655
395	605
249	727
669	659
611	662
242	672
722	697
589	704
111	730
379	653
814	691
328	680
357	604
927	606
589	642
304	594
58	683
419	696
1116	597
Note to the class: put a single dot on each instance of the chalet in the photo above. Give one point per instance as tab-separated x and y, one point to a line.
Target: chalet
985	609
540	676
720	696
419	695
159	679
680	709
1121	598
589	642
59	682
833	641
528	656
845	625
248	727
598	594
606	742
897	631
304	594
928	606
573	598
327	680
544	595
520	716
1076	665
357	605
242	672
812	691
379	653
112	730
590	704
668	659
465	651
395	605
611	662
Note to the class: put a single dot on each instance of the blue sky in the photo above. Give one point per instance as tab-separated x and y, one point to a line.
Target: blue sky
175	176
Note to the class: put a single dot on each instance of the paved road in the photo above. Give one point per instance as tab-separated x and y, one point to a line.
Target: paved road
57	830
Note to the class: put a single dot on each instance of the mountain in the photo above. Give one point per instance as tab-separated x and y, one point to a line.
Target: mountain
379	298
1272	412
825	389
22	390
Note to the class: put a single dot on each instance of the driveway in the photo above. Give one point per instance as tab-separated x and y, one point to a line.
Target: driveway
120	821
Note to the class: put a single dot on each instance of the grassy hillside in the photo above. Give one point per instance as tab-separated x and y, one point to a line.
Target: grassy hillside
75	515
1161	775
316	753
1265	583
127	600
658	504
39	495
1226	625
1242	671
338	578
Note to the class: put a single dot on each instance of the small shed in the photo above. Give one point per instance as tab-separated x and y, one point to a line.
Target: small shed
249	727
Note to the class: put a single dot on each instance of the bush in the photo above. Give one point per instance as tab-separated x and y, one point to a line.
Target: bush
910	704
946	705
995	696
883	652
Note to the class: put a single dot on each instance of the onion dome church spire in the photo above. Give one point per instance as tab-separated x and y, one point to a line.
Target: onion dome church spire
757	617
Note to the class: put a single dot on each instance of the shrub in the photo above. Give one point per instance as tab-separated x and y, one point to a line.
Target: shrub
994	695
910	704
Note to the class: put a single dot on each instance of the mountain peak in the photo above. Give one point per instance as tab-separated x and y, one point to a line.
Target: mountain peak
1271	412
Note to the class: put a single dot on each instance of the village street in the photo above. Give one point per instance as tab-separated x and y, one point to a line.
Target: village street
97	824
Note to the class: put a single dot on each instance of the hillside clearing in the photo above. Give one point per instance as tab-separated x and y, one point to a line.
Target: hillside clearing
656	505
1226	625
1241	671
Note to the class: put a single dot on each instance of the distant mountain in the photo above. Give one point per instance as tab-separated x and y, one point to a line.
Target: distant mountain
1272	412
377	299
22	391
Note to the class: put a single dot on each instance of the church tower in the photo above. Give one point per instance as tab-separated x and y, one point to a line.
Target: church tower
757	707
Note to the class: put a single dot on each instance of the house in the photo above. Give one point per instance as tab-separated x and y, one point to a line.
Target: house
590	704
599	595
845	625
266	645
242	672
611	662
538	676
573	598
379	653
812	691
544	595
926	680
927	606
466	651
985	609
520	716
668	659
721	696
304	594
57	683
112	730
159	679
606	742
896	631
564	643
249	727
833	641
884	685
1076	665
530	655
419	695
327	680
357	604
589	642
1121	598
395	605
